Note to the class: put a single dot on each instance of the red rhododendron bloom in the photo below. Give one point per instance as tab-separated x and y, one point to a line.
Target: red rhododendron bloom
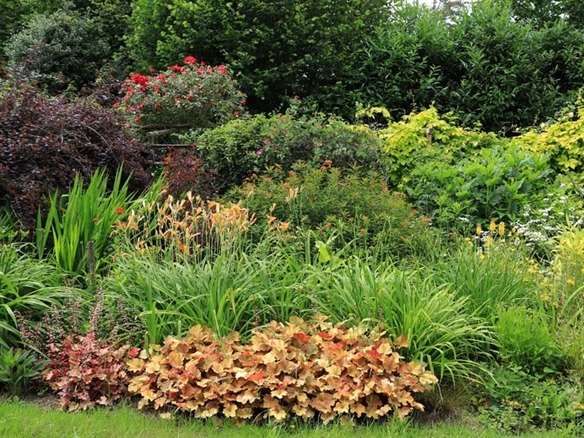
177	68
139	79
190	60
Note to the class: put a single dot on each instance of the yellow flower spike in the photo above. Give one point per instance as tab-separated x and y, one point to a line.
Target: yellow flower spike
492	226
479	229
481	257
489	241
501	228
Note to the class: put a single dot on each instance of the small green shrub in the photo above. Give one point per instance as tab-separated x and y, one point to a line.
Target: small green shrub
18	369
425	136
519	402
526	340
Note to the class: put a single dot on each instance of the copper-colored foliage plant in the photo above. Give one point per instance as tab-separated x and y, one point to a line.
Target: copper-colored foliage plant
85	372
307	370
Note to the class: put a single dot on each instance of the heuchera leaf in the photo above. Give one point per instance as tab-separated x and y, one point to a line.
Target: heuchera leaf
303	369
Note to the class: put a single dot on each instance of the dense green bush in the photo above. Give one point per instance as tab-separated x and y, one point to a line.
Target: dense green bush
57	51
519	402
498	75
402	65
526	340
243	147
357	209
482	63
562	141
277	49
496	184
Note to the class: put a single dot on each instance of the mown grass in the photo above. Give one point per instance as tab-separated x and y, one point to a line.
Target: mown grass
25	419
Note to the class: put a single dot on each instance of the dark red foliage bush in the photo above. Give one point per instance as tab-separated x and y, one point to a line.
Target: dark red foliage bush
45	141
186	171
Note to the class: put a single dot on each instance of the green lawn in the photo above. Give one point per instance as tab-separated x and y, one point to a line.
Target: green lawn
25	419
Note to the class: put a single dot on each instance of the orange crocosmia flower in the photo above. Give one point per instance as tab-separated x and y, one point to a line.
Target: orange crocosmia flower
284	226
119	210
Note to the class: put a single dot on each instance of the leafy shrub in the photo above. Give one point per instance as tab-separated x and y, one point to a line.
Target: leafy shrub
519	402
402	66
307	370
526	341
45	142
60	50
354	207
194	95
243	147
18	369
508	73
497	184
84	372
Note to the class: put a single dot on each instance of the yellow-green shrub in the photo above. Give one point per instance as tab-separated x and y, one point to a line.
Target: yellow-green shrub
562	140
407	143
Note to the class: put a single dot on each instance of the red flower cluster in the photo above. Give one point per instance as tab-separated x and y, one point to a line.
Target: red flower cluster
139	79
